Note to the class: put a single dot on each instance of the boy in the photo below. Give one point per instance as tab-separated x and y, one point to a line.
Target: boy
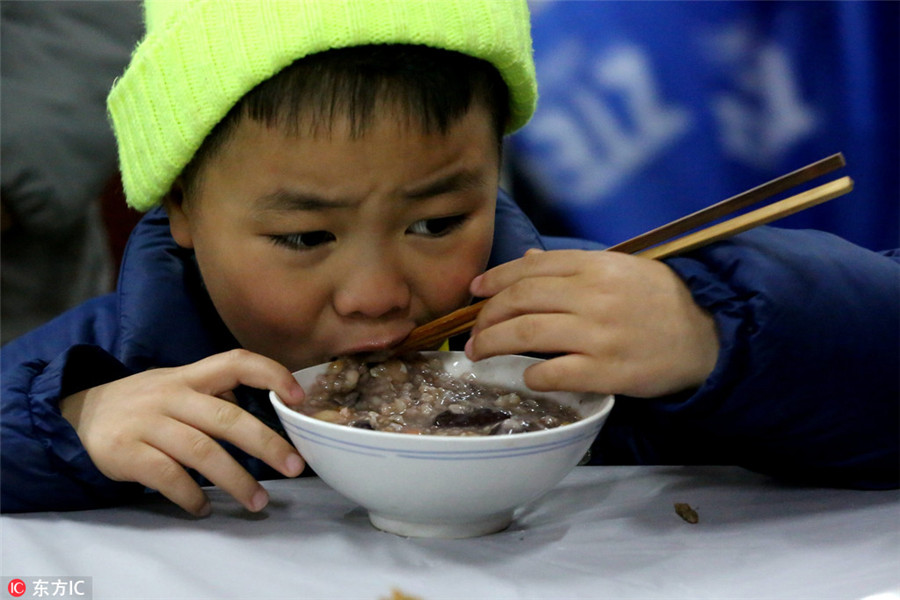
329	178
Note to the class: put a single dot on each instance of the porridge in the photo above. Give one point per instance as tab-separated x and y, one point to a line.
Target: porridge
416	395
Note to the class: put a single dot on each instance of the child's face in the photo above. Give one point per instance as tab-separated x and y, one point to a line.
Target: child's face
314	247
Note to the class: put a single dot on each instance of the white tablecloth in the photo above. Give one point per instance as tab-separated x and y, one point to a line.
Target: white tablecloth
604	532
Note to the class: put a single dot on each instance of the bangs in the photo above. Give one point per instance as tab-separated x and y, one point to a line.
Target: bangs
426	88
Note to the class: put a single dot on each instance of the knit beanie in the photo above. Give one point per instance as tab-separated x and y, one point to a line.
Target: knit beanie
200	57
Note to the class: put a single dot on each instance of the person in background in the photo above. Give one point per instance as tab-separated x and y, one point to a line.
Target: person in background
321	178
58	153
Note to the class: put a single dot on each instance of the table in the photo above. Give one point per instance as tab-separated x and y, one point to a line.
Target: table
603	532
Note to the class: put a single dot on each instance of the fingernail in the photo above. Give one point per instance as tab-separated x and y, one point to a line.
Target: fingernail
293	465
297	393
476	284
259	500
468	349
205	510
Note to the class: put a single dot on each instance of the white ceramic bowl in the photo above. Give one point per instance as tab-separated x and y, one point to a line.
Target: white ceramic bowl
445	486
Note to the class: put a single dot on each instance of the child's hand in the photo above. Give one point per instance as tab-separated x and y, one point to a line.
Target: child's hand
149	427
624	324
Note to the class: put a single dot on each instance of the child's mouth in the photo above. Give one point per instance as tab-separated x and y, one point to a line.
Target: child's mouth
375	347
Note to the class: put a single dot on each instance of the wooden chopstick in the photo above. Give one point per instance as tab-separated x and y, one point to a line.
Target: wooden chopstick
761	216
430	334
648	245
731	205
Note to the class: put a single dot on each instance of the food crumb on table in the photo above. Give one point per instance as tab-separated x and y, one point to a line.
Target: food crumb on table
399	595
687	513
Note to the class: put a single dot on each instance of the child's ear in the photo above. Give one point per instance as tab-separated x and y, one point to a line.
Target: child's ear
179	215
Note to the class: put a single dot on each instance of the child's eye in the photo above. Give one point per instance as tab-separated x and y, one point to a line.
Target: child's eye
436	227
303	241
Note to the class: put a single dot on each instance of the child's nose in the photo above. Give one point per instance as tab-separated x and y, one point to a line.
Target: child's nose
373	286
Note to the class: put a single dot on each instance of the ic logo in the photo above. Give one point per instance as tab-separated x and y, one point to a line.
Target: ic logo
16	587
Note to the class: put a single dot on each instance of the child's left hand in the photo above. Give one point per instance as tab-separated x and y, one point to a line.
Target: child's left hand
623	324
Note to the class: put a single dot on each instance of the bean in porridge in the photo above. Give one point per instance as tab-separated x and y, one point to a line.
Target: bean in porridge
414	394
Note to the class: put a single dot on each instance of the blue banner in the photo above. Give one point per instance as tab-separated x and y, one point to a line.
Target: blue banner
650	110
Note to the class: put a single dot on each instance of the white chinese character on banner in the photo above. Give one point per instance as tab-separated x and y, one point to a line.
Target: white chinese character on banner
764	115
616	123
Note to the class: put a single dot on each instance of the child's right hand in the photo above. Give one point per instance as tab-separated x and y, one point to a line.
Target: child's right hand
620	324
150	426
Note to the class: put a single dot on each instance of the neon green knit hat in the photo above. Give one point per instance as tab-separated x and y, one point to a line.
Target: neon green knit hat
199	57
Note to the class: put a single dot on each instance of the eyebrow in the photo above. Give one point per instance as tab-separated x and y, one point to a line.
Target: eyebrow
459	181
288	200
291	200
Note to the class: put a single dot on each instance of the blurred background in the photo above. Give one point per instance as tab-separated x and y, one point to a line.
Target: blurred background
60	239
651	110
647	111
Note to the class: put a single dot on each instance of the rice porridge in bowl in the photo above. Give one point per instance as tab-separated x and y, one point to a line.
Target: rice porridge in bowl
431	446
416	395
